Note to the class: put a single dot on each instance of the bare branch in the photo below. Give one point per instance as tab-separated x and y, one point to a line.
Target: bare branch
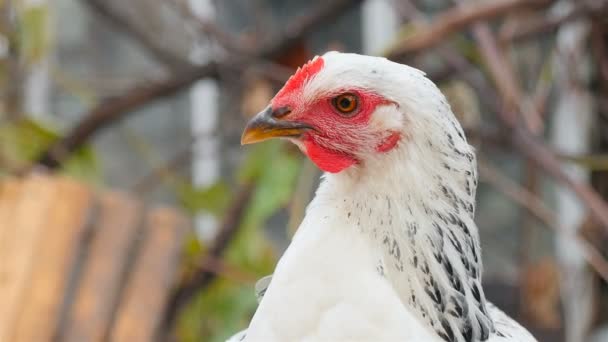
225	39
296	29
151	180
455	61
504	77
115	109
457	19
204	276
221	267
525	142
517	193
537	207
548	24
543	157
163	55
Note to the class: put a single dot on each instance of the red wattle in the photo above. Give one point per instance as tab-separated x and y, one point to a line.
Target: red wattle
328	160
389	143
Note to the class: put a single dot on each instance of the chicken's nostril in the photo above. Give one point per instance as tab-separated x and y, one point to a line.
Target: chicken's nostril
280	112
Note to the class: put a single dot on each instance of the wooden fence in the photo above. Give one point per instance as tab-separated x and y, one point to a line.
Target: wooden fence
79	264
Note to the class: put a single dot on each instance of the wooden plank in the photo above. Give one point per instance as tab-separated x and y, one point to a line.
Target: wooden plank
25	208
140	312
55	257
90	316
9	196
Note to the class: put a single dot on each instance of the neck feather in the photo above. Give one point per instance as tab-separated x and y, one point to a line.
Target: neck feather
416	204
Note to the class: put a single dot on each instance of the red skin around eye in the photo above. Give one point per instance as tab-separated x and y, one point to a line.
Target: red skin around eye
333	142
335	134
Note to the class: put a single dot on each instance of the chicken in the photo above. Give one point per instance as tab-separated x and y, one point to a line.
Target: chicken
388	249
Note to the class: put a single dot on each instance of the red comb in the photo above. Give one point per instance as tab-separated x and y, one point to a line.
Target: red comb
302	75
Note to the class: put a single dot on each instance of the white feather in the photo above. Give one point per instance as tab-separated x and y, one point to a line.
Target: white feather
380	233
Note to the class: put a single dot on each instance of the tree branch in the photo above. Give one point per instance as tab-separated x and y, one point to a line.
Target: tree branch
505	80
548	24
203	276
525	142
207	27
115	109
537	207
543	157
163	55
457	19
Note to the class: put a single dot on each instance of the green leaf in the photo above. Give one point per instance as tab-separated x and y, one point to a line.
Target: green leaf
22	141
34	33
83	165
597	162
227	306
256	160
213	199
275	170
275	187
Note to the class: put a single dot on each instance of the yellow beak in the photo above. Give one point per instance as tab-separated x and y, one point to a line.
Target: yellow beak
267	124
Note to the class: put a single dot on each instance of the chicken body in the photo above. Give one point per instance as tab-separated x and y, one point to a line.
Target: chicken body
388	249
328	286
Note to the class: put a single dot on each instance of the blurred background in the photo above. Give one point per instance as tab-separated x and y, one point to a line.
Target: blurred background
148	98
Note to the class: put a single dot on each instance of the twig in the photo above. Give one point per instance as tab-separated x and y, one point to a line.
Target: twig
171	60
296	29
457	19
504	77
220	267
271	71
517	193
594	257
549	24
542	156
225	39
542	90
454	60
524	141
115	109
599	49
148	182
537	207
203	276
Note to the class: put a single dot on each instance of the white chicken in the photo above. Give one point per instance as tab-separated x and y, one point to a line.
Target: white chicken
388	249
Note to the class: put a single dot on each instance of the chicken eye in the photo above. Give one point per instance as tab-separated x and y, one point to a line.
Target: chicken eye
346	103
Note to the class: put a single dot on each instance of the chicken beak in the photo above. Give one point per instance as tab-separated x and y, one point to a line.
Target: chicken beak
267	124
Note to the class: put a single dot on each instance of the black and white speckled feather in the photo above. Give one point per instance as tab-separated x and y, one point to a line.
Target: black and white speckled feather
389	248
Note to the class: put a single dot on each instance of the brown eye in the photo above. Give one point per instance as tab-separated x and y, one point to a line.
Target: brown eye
346	103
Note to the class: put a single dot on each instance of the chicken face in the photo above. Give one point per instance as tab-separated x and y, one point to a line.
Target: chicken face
336	124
